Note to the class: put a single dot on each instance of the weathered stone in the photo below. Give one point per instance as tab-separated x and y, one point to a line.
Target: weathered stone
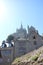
40	59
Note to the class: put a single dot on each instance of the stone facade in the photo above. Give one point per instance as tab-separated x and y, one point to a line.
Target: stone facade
24	42
6	55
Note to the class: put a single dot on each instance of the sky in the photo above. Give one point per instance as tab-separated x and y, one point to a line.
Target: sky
15	12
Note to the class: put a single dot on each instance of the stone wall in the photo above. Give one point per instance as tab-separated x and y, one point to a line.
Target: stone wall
23	46
6	54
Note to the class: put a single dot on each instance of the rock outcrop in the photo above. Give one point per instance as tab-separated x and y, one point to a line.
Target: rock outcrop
33	58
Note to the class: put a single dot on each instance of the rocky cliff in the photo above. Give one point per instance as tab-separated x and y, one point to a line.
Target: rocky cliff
33	58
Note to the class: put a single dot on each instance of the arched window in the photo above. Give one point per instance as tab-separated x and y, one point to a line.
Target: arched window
34	37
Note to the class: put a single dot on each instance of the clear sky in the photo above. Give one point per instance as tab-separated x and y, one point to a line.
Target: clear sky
12	12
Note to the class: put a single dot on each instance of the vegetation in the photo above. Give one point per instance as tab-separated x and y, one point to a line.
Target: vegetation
32	58
17	60
10	38
36	56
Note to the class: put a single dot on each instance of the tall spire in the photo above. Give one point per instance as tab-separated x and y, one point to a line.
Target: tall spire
21	26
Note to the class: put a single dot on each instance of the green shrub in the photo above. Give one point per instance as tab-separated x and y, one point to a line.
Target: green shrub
35	58
17	60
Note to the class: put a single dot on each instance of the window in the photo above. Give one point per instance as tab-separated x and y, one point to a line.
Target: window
34	37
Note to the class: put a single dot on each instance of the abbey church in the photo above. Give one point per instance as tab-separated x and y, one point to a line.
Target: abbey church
24	42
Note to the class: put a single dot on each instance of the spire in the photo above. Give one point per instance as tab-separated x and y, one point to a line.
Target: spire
28	29
21	26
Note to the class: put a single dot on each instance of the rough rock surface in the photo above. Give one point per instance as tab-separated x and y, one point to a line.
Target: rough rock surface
33	58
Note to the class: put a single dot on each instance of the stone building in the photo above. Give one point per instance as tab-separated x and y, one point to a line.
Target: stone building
24	42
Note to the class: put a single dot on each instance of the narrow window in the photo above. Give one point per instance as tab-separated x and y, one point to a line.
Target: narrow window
34	37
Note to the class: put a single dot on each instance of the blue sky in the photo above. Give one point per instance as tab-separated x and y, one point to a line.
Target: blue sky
12	12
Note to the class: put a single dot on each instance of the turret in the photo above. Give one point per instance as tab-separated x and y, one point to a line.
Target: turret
28	29
21	26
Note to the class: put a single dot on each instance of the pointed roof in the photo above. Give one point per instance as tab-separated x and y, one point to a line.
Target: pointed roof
21	26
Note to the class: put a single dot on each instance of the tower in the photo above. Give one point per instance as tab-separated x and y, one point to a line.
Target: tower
21	26
28	29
